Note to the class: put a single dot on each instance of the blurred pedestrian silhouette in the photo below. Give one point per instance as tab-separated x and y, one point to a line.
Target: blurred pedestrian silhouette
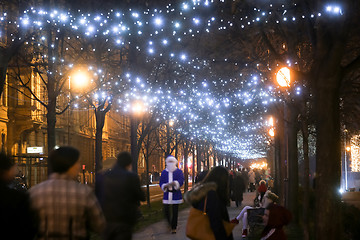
213	194
237	187
66	208
251	180
120	193
17	220
171	179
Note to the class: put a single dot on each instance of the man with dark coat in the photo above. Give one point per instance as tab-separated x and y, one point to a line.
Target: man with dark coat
238	188
17	220
120	193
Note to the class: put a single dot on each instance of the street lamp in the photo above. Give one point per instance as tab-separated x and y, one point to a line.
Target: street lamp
271	130
283	77
77	80
80	78
137	110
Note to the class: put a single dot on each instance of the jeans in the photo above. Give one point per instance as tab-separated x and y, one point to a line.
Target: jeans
171	214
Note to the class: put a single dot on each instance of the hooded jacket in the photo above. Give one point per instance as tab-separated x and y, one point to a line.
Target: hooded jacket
215	208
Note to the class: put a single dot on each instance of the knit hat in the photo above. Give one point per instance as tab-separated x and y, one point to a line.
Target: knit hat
63	158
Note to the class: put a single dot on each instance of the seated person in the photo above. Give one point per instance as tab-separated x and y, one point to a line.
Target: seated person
275	217
269	198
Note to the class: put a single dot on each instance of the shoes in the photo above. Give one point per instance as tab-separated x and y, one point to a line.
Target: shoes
244	233
235	221
173	231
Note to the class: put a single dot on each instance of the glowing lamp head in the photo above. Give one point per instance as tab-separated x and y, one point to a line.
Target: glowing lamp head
80	79
138	108
348	149
283	77
271	121
272	132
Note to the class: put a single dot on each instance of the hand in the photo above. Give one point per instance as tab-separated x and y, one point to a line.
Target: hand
235	221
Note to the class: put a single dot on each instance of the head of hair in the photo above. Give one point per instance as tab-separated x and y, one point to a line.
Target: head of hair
5	162
220	176
63	158
272	196
124	159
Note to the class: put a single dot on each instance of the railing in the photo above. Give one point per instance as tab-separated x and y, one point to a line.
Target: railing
34	168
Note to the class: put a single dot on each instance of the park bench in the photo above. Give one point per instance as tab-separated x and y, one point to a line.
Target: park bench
254	217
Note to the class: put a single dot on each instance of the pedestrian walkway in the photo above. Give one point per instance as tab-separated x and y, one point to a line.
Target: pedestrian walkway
160	231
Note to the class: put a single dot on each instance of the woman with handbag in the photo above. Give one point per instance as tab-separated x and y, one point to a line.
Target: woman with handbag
209	218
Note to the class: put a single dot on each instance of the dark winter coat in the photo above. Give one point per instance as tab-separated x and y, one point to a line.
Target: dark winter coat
278	217
17	220
237	187
216	209
119	194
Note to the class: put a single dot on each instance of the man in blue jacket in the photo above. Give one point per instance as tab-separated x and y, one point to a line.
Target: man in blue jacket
172	178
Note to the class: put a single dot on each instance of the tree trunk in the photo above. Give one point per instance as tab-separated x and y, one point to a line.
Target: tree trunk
168	141
3	71
193	165
305	135
327	75
134	124
198	159
186	173
280	156
293	202
51	122
51	106
328	161
176	146
147	176
100	121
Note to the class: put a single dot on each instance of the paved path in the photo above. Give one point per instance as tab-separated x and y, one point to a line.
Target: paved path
159	230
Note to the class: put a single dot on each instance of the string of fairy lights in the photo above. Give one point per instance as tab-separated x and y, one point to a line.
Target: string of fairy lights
168	78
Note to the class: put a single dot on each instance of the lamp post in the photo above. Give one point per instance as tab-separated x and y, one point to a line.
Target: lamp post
137	111
283	79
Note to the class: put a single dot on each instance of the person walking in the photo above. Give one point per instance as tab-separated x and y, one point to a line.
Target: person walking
66	208
213	191
252	180
120	193
171	179
238	188
261	190
17	220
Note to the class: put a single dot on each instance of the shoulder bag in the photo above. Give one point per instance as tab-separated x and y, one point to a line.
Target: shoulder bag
198	225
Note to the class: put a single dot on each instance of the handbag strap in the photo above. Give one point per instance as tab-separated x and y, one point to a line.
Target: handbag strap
204	212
